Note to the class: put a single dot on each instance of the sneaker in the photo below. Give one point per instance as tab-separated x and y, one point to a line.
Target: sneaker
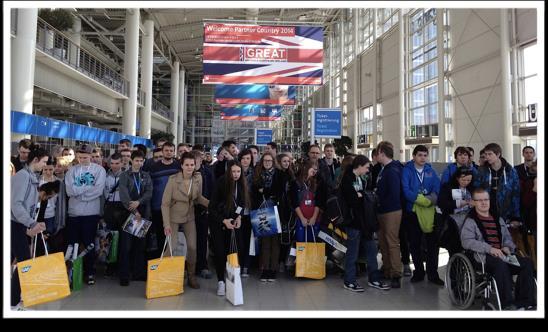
378	284
19	307
407	270
245	272
353	287
221	288
271	277
417	277
205	274
437	281
124	282
91	279
264	276
395	283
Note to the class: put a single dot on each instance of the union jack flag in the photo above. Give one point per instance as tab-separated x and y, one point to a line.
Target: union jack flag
238	54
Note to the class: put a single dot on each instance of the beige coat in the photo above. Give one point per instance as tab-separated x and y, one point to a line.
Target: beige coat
177	204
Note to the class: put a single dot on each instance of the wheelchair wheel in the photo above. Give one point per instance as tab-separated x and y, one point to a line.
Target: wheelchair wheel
461	281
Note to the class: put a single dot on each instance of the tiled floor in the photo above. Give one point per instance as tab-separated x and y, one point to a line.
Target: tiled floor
287	293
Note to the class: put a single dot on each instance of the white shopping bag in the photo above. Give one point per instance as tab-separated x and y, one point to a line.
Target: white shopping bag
234	292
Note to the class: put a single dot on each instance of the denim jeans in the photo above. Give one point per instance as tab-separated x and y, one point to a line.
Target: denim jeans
83	229
369	249
352	251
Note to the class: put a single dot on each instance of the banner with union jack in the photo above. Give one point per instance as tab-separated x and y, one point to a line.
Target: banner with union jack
255	94
253	112
255	54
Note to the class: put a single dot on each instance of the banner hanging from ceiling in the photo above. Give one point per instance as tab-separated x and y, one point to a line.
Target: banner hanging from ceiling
255	94
252	112
256	54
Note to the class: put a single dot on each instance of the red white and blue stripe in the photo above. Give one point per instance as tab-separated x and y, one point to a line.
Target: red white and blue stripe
291	57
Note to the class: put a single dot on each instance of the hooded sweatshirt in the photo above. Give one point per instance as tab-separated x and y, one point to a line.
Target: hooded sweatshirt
389	187
24	197
414	183
85	185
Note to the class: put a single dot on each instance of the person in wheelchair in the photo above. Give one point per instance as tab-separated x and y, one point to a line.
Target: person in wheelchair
487	235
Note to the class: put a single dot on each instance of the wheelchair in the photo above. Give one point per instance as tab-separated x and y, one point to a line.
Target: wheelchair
467	281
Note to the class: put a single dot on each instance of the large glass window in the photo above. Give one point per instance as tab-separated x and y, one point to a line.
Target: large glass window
349	53
365	28
386	18
422	81
365	124
530	82
336	66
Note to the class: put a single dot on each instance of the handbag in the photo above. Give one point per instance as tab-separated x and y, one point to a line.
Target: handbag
43	279
310	259
232	257
265	221
165	275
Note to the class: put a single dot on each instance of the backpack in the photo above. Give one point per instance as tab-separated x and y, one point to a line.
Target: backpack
335	208
371	203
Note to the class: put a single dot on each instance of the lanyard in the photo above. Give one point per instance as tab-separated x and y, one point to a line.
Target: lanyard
235	198
113	194
380	175
137	184
420	176
189	188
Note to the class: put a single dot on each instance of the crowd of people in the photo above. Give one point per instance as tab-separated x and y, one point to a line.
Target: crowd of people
182	189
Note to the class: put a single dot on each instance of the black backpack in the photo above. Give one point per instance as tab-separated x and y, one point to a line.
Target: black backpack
336	211
371	203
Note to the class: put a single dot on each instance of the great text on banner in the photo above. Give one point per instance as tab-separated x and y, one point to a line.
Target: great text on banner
257	54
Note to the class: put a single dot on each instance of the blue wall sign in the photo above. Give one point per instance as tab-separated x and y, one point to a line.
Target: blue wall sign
327	122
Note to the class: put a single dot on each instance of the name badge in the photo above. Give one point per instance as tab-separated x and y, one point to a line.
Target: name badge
239	210
308	202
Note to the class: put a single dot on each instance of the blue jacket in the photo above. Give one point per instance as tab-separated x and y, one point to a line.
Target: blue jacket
412	186
451	170
508	197
389	187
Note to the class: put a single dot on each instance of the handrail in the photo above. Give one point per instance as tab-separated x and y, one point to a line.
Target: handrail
159	108
56	44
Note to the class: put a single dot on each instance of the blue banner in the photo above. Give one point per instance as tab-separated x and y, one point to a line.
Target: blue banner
252	112
263	136
327	122
41	126
255	94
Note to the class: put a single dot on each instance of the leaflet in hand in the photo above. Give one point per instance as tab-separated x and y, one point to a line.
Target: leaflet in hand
135	227
511	259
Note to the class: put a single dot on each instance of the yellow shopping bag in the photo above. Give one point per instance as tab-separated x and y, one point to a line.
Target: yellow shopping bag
165	274
43	279
232	258
310	261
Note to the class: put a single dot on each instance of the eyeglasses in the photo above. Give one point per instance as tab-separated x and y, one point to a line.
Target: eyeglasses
481	200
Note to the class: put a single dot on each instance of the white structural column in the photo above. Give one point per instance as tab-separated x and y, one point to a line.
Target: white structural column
23	49
441	86
174	102
182	107
375	79
146	77
75	37
401	139
131	67
507	151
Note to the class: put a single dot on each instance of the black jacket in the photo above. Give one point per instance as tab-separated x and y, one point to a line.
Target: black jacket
273	193
354	204
218	211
